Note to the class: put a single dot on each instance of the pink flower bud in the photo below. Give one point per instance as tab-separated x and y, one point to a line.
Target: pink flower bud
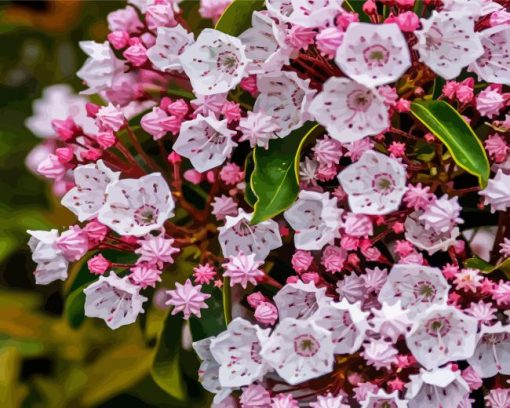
65	154
52	167
301	261
165	102
403	105
96	232
110	118
266	313
464	93
210	176
345	18
160	15
300	37
92	154
174	158
308	277
178	108
148	40
92	109
65	129
73	243
98	264
255	299
292	279
231	111
106	139
349	243
118	39
153	122
450	89
369	7
405	3
124	19
328	41
193	176
249	84
371	253
136	54
408	21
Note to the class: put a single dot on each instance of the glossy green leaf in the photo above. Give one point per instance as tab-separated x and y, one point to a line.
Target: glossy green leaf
448	126
249	195
237	16
486	267
212	321
74	309
165	369
275	178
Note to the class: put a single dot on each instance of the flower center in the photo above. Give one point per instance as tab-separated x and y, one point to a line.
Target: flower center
376	55
425	291
383	183
438	327
359	100
146	215
306	345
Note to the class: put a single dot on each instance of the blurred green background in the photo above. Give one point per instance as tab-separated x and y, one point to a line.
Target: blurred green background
43	361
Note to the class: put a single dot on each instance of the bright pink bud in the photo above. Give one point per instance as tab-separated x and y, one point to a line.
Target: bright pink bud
292	279
405	3
300	37
52	167
92	109
178	108
255	299
148	40
301	261
328	41
65	129
349	243
210	176
106	139
308	277
231	111
353	259
345	18
403	105
110	118
369	7
193	176
65	154
96	232
118	39
465	91
160	15
136	54
266	313
73	243
98	264
249	84
174	158
153	121
450	88
165	102
408	21
92	154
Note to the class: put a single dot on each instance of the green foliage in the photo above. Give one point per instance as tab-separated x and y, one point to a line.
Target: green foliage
249	195
275	178
212	321
237	16
486	267
448	126
165	369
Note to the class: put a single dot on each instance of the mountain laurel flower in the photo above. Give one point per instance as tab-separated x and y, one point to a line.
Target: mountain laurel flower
497	192
375	184
298	300
492	348
444	40
51	263
215	63
110	118
299	350
137	206
243	269
258	128
73	243
115	300
379	353
373	54
52	168
315	218
266	313
156	251
348	110
171	42
442	214
489	102
255	396
145	276
187	299
98	264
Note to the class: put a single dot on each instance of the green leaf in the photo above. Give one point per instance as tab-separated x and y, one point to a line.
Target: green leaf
275	178
166	370
212	321
237	16
227	301
249	195
456	134
486	267
74	309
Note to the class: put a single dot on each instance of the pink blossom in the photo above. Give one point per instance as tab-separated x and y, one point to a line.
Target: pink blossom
496	147
344	18
326	172
136	54
160	15
110	118
73	243
284	401
450	89
243	269
327	151
231	111
231	174
52	167
465	91
193	176
249	84
213	9
256	298
379	353
403	248
333	258
358	225
124	19
371	253
266	313
156	250
118	39
408	21
418	197
178	108
397	149
255	396
349	243
328	40
356	149
501	293
65	154
96	232
489	102
204	273
374	279
467	280
482	311
403	105
505	247
300	37
106	139
155	123
98	264
187	299
301	261
362	389
396	385
145	276
498	398
224	206
472	378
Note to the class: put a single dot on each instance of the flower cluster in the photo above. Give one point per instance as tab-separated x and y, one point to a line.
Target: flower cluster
358	276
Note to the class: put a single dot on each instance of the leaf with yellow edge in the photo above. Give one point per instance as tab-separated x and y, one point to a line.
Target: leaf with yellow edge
237	16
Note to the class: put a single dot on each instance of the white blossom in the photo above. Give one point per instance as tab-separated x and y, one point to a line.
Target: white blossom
88	195
237	352
416	287
497	192
100	68
239	235
382	399
447	42
285	97
51	262
391	321
349	111
313	13
492	353
170	44
298	300
205	141
115	300
375	184
299	350
316	220
215	63
137	206
373	54
442	334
